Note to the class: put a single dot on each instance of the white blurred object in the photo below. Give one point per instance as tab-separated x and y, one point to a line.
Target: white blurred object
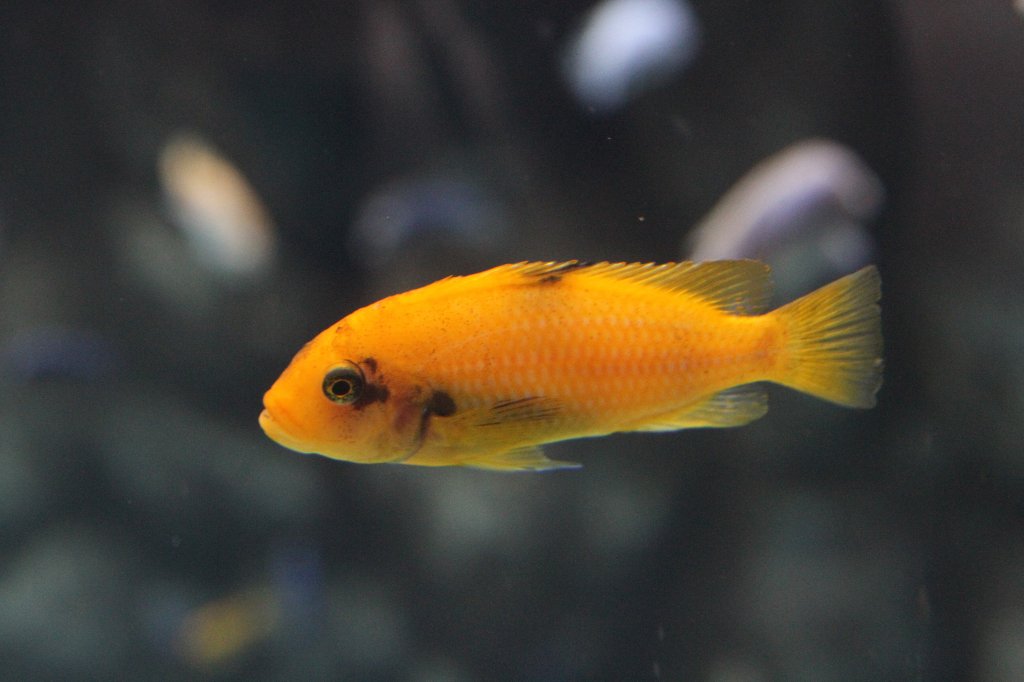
805	206
625	45
226	223
442	208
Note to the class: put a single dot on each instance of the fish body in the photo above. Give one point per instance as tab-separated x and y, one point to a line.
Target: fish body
481	370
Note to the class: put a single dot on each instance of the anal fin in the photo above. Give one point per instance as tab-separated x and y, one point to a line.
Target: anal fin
732	407
528	458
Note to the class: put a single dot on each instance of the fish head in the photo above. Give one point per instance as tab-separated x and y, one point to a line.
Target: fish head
336	400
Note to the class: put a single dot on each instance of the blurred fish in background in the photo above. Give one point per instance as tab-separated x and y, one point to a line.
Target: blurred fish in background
216	632
440	217
625	47
215	207
806	211
285	607
213	238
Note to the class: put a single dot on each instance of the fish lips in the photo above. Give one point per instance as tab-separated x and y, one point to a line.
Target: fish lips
276	430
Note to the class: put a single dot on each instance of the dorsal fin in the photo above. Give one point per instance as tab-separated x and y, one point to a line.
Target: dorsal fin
740	287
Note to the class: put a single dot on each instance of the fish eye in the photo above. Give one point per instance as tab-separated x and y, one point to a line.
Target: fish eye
343	384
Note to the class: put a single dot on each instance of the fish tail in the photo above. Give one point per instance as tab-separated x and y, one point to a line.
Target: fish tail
834	340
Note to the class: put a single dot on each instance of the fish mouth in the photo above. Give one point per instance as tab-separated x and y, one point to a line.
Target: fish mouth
277	432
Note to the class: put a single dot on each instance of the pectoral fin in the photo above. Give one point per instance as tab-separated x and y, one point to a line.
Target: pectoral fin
514	413
511	421
491	436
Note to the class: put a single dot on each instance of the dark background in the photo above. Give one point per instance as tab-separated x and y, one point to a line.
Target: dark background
148	530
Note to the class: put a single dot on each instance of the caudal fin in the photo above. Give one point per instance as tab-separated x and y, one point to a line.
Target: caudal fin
834	348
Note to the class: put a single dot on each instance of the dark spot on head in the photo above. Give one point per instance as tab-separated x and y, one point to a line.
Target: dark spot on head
372	393
440	404
371	364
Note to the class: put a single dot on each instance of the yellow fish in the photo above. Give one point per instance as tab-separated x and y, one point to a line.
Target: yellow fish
482	370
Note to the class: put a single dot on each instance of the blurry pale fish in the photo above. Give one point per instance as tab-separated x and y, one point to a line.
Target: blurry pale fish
409	227
815	195
625	45
433	207
227	225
